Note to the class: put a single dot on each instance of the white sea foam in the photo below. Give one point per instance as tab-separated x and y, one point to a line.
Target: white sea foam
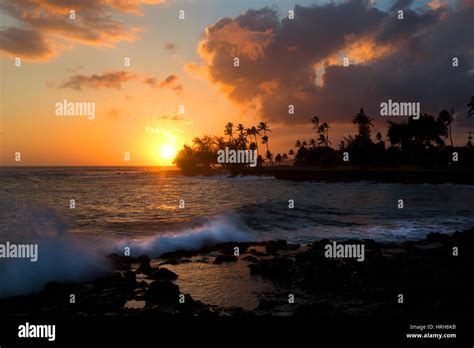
67	258
219	229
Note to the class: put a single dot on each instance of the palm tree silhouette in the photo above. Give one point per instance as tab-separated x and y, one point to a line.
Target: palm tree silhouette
263	126
269	156
315	122
265	142
278	158
447	118
242	138
229	130
471	107
363	123
323	131
253	131
240	128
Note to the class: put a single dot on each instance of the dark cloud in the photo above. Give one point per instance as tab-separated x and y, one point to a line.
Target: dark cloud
115	113
113	79
170	46
25	43
299	61
401	4
49	20
393	29
169	82
463	4
151	81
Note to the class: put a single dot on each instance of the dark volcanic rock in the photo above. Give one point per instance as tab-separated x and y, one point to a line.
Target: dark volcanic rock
314	310
59	287
162	291
178	254
129	276
434	281
273	246
224	258
120	262
277	268
268	305
250	258
227	248
120	282
436	237
256	252
145	267
164	274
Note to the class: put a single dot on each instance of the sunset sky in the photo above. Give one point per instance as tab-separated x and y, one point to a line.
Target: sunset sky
189	62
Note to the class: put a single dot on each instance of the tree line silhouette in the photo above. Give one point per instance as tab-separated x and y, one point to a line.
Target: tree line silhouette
426	142
201	156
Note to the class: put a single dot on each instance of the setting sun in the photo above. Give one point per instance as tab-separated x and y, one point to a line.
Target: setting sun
167	152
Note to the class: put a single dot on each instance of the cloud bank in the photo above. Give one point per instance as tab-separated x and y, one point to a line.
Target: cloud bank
46	26
300	61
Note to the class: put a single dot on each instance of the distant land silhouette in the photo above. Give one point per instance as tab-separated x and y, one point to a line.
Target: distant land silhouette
409	146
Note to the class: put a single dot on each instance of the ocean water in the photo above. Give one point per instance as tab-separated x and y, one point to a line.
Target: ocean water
138	207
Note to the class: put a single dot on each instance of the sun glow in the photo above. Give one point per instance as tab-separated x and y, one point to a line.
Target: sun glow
167	152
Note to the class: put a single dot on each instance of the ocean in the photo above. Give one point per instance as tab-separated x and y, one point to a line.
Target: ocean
139	208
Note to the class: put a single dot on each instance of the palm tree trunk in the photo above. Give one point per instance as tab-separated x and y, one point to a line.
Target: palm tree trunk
256	142
451	136
271	159
450	130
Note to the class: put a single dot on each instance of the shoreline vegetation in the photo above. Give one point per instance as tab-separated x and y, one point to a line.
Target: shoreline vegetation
434	279
414	151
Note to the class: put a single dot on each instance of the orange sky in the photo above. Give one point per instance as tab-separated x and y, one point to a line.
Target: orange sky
137	113
173	62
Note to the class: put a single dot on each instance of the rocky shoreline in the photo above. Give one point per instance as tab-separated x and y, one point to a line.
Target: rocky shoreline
403	175
434	279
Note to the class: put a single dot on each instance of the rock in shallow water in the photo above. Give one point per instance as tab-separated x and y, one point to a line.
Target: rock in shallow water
162	291
277	268
224	258
164	274
145	268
